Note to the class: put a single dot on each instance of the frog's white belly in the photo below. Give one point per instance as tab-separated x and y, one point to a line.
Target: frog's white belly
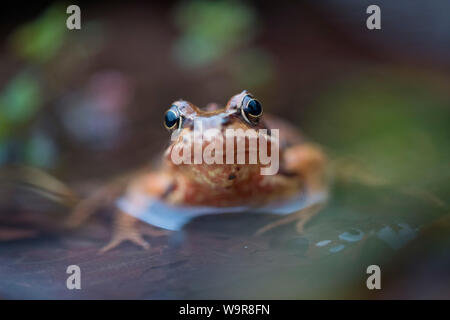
170	217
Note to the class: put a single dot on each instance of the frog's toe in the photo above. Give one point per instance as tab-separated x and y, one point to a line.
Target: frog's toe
117	239
154	232
300	226
274	225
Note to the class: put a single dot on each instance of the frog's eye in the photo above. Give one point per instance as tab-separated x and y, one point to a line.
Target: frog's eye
172	118
251	109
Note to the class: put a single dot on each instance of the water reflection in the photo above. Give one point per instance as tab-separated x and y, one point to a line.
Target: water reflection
160	214
399	237
323	243
337	248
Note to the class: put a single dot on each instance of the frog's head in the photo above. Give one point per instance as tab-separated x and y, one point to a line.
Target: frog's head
201	140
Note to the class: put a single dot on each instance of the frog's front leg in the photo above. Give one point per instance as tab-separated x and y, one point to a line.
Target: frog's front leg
126	226
102	197
306	162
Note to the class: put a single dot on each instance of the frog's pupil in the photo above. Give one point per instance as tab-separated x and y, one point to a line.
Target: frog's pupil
171	119
253	108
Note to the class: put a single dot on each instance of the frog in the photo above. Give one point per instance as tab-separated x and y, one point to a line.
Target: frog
196	188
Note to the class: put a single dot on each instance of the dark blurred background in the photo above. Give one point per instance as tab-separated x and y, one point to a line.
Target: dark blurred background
86	105
130	61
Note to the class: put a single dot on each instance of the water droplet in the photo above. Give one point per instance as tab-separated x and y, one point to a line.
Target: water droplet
352	235
322	243
394	239
337	248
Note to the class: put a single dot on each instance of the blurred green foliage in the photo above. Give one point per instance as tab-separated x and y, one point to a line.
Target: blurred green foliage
39	40
219	35
46	46
19	101
396	125
252	68
211	29
40	150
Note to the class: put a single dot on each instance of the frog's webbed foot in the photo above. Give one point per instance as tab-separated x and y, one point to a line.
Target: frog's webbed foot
120	237
302	217
126	229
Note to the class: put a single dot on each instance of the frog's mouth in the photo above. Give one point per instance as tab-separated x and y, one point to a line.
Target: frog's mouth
223	158
225	177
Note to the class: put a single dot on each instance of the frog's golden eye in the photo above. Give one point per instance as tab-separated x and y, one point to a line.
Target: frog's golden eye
172	118
251	109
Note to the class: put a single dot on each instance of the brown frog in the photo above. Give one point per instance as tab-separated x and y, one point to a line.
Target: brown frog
192	187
